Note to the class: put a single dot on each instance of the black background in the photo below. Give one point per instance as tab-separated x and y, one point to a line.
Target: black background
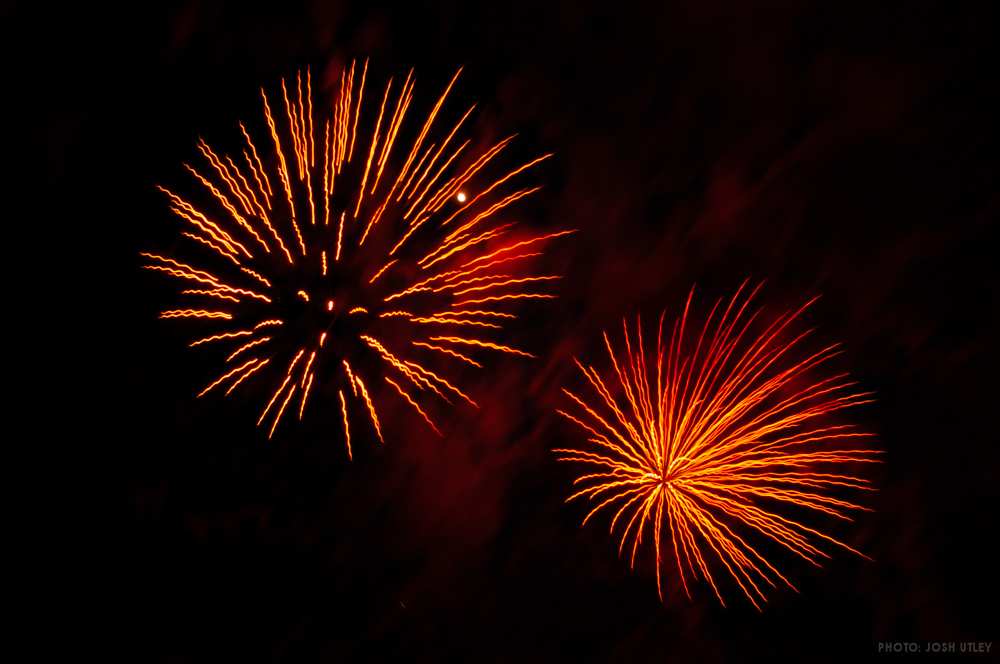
845	149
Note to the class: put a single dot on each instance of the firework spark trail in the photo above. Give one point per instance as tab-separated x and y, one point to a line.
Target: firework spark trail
358	204
708	437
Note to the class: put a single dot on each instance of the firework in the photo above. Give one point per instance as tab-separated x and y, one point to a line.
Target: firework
340	256
719	446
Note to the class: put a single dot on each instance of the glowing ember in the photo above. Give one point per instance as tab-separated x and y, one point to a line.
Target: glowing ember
333	231
709	435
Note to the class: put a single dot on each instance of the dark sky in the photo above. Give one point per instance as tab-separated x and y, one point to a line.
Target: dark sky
842	149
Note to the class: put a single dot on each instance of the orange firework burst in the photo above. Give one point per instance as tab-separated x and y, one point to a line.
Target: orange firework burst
339	258
713	435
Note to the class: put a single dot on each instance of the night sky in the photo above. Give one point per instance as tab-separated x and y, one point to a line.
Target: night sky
839	149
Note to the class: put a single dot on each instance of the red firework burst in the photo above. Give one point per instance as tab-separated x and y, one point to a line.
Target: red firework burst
336	258
723	439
